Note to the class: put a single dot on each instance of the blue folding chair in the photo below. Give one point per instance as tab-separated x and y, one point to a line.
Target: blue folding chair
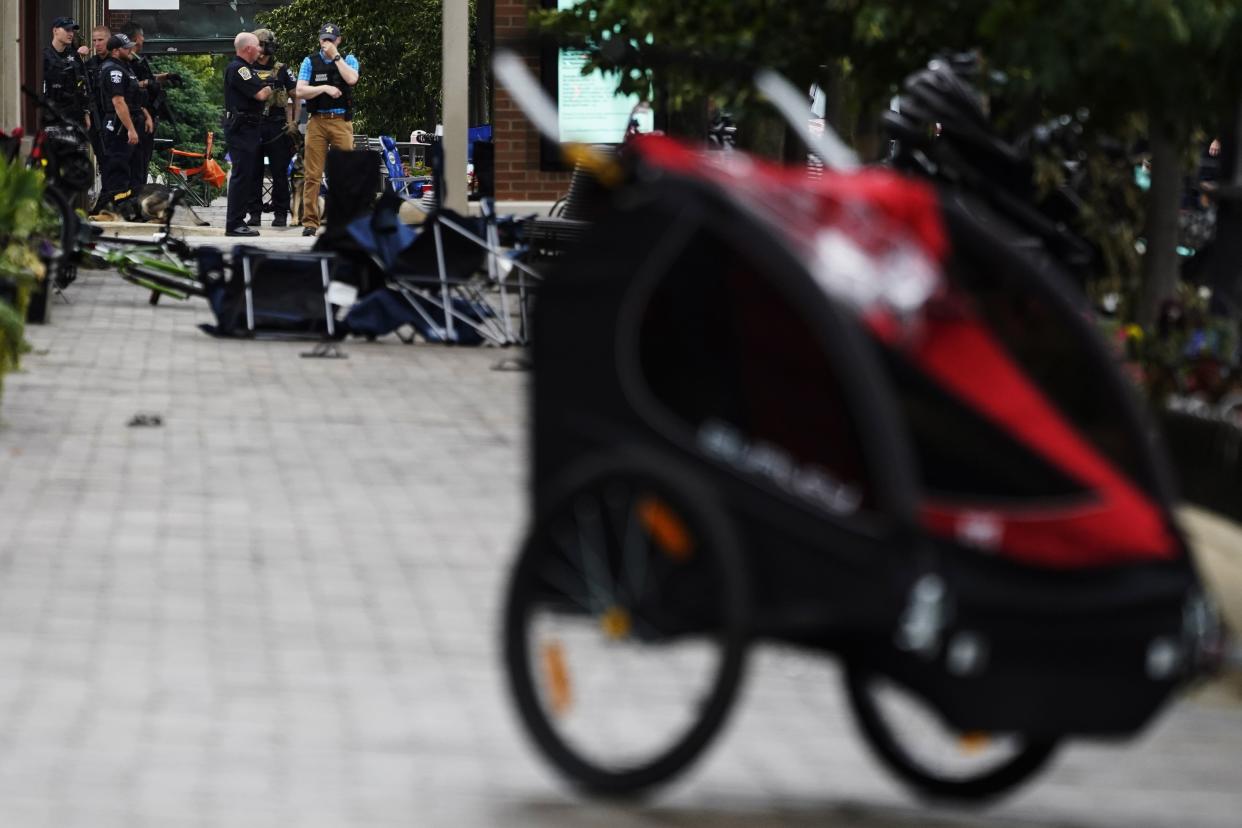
406	186
474	135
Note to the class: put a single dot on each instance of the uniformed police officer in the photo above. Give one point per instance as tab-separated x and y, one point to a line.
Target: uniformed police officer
275	131
120	107
245	96
64	74
149	80
99	48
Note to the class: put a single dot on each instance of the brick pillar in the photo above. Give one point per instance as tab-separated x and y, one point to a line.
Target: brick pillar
518	177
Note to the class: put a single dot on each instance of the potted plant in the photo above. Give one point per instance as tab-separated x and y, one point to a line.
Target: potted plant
22	216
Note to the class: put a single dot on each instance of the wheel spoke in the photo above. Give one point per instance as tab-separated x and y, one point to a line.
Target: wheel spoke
635	553
565	541
594	551
564	580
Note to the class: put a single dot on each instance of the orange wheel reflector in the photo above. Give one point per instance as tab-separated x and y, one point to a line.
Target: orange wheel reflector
662	523
973	742
556	678
615	623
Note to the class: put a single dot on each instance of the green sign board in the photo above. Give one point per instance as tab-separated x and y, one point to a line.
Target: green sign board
590	110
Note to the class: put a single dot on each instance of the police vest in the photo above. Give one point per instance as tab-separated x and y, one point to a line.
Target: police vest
325	73
133	93
64	81
270	75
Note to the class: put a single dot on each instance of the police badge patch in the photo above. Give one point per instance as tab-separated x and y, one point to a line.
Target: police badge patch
244	72
115	75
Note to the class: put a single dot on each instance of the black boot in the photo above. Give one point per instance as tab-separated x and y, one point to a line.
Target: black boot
279	220
255	220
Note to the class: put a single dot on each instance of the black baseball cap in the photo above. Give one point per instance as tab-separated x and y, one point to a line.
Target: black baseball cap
65	23
329	31
120	41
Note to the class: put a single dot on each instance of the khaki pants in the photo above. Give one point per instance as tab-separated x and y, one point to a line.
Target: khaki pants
321	132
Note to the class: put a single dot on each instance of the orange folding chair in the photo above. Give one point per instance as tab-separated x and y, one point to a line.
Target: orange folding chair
197	181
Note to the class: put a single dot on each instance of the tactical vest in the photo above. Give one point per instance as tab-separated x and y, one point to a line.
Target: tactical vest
133	93
279	100
64	80
325	73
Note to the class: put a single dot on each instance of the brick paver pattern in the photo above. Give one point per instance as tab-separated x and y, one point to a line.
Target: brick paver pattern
280	608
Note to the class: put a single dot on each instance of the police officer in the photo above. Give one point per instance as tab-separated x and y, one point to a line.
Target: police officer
326	82
245	96
275	131
120	108
150	82
64	74
99	47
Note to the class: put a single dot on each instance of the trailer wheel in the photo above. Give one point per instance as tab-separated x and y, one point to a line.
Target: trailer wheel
936	762
625	625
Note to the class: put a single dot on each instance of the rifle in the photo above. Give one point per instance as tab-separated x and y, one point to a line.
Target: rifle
92	98
159	98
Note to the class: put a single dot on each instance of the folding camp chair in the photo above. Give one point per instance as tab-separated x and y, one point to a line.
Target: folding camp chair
271	295
453	273
476	241
407	186
197	181
456	277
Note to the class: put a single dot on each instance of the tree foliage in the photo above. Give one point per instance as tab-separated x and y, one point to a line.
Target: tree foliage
197	104
1121	56
398	47
1168	60
712	48
1167	69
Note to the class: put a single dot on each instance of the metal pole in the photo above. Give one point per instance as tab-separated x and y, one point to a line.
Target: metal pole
456	97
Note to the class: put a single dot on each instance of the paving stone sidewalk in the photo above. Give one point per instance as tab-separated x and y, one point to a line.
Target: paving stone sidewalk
279	608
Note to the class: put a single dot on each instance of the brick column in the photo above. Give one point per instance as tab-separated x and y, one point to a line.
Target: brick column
518	177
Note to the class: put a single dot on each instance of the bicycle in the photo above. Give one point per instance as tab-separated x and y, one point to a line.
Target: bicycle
165	265
62	150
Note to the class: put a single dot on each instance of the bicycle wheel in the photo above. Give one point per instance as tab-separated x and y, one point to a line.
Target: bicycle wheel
64	236
625	626
910	739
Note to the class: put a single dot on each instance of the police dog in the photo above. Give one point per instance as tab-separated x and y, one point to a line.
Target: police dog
155	202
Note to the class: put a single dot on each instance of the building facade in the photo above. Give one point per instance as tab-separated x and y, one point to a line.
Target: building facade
519	176
27	28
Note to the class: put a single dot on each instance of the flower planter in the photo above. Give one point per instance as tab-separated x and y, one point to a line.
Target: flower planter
1206	452
39	308
13	296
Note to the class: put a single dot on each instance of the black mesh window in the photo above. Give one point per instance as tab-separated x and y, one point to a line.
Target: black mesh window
962	454
1056	354
722	349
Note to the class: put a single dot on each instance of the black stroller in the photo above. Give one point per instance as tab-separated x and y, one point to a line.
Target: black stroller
847	415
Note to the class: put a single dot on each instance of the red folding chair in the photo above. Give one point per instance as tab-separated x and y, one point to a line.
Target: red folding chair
197	181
